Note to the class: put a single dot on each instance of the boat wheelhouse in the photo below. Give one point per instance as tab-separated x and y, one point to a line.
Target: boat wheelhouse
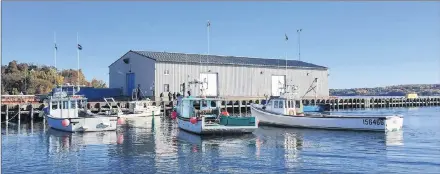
67	113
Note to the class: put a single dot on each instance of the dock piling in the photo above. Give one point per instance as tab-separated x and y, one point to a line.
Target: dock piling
7	114
19	115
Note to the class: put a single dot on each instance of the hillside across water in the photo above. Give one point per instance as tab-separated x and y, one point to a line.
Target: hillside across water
396	90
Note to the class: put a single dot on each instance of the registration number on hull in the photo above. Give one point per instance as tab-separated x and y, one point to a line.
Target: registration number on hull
370	121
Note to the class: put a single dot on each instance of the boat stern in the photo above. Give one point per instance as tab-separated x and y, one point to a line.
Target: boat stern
394	123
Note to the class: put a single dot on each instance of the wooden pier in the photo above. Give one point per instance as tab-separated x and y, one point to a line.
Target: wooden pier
31	110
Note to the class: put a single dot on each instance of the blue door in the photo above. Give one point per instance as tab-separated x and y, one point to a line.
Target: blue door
130	83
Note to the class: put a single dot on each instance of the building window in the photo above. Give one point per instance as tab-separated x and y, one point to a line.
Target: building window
166	72
166	88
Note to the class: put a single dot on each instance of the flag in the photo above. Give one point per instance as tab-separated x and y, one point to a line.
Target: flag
287	38
209	24
56	48
80	47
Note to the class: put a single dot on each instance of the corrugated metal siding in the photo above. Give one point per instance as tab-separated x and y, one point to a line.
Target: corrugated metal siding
240	81
141	66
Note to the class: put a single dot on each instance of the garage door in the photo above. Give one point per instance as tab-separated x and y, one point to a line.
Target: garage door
277	85
210	84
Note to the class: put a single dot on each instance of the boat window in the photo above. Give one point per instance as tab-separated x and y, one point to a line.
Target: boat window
73	105
204	103
275	105
65	105
298	104
213	104
281	104
54	105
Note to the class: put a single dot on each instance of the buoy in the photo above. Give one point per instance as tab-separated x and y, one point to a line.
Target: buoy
65	122
225	113
121	121
193	120
174	115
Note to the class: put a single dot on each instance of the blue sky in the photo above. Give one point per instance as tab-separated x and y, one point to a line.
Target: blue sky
364	44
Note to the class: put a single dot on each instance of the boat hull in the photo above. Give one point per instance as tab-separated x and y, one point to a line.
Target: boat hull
156	114
206	129
367	123
83	124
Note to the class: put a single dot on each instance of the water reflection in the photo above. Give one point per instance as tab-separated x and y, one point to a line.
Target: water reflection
205	154
144	145
59	141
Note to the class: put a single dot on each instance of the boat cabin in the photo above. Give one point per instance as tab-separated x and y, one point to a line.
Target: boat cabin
190	106
139	106
284	106
62	105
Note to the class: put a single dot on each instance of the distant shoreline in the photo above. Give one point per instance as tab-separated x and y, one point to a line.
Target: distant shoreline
390	91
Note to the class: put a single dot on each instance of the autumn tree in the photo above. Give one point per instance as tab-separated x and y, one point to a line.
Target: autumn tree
34	79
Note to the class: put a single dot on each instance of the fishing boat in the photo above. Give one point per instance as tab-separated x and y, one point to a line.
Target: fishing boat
201	115
65	113
136	108
286	110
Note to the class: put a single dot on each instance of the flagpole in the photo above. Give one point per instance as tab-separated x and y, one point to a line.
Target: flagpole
55	51
285	80
55	57
299	43
209	46
77	50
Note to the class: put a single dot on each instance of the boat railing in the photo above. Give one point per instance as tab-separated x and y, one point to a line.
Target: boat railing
110	101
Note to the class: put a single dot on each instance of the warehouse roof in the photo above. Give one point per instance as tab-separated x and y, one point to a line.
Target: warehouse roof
224	60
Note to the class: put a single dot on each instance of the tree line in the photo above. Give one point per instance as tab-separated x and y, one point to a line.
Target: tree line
28	78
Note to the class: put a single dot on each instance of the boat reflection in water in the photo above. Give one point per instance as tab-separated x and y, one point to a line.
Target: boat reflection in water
59	141
394	138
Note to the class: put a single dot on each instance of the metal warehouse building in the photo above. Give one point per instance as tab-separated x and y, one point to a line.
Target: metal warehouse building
226	76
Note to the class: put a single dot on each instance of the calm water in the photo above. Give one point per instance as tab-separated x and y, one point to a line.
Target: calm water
146	146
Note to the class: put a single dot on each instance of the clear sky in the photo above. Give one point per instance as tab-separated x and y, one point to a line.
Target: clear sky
365	44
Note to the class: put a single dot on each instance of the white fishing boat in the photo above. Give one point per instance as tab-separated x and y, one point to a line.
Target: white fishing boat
285	110
142	107
201	115
65	113
136	107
